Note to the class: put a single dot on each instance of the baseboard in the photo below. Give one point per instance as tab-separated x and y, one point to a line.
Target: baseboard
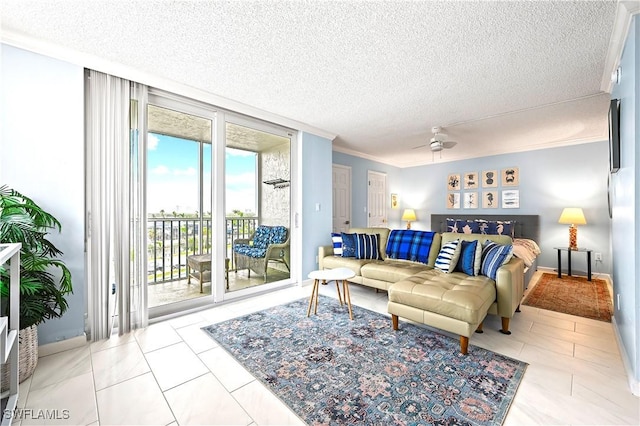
63	345
634	384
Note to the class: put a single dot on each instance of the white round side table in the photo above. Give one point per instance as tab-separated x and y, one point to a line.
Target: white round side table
325	275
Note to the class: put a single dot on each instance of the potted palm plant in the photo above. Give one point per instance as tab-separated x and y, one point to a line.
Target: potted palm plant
45	280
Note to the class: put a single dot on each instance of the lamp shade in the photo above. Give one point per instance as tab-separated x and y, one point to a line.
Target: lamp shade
409	215
572	216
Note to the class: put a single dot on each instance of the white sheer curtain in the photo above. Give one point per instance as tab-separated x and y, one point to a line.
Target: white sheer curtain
115	206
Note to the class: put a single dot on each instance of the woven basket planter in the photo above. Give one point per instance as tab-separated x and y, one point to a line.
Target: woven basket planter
27	356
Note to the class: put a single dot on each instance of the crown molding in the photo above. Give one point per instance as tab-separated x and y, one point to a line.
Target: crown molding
625	11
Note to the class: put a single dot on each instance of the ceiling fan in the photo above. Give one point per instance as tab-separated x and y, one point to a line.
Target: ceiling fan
439	140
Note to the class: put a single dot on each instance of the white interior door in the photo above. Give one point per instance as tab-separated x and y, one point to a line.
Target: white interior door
341	198
377	196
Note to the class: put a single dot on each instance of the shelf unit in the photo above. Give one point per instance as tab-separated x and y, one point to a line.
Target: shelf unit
277	183
9	329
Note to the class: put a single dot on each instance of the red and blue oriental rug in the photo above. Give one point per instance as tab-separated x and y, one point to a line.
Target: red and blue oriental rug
330	370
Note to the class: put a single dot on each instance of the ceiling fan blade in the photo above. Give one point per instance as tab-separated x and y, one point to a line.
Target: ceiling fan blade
449	144
419	146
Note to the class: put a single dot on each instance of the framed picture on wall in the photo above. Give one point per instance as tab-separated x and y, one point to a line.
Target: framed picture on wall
394	201
490	199
453	200
453	182
510	176
489	179
511	199
470	180
470	200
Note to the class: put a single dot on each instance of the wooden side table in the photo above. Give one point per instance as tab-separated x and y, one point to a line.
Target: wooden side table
569	251
202	263
338	274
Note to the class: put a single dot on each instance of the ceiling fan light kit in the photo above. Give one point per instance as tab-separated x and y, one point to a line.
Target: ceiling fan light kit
439	140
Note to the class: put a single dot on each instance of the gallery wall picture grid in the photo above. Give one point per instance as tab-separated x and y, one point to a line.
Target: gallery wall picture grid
511	199
490	199
510	176
453	182
470	200
470	180
490	179
453	200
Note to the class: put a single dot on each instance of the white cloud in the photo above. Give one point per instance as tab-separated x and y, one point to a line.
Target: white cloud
160	170
190	171
152	141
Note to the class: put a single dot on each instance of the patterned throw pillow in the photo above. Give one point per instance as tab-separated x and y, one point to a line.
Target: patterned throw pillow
348	245
470	258
367	246
496	227
494	255
336	239
462	226
448	256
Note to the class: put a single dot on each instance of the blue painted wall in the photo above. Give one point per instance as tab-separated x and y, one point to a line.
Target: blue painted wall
550	179
626	209
359	182
316	191
42	156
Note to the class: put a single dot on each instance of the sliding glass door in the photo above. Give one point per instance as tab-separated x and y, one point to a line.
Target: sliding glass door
258	172
179	205
216	181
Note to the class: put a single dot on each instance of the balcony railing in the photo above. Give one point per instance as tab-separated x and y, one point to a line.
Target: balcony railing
172	239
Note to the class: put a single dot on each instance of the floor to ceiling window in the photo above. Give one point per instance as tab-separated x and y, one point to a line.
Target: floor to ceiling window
215	181
178	204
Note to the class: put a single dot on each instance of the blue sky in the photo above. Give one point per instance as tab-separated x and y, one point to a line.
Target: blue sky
172	176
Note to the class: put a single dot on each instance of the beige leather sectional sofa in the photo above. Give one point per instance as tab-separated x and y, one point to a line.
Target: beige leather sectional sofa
454	302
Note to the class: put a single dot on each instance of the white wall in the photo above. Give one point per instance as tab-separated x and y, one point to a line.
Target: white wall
42	156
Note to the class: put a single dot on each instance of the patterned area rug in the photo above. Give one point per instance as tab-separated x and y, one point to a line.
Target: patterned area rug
572	295
330	370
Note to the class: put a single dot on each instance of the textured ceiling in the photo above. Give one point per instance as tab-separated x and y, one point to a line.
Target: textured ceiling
498	76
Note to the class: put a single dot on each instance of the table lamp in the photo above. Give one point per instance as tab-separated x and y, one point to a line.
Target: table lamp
573	216
409	215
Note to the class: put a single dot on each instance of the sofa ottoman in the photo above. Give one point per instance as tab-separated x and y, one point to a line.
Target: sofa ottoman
454	302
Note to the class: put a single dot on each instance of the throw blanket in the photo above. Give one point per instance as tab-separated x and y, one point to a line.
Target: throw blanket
406	244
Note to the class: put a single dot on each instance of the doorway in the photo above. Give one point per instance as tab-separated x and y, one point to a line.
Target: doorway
341	198
376	199
258	171
213	179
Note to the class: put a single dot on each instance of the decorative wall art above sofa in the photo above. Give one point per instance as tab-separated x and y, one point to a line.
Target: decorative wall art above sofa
507	178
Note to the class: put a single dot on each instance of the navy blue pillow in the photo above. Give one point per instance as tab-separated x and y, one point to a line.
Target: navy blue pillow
467	259
348	245
367	246
462	226
497	227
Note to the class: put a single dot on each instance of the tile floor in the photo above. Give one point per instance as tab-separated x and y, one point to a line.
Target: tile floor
173	373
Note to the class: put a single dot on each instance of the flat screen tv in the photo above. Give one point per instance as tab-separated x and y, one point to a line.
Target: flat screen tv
614	135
